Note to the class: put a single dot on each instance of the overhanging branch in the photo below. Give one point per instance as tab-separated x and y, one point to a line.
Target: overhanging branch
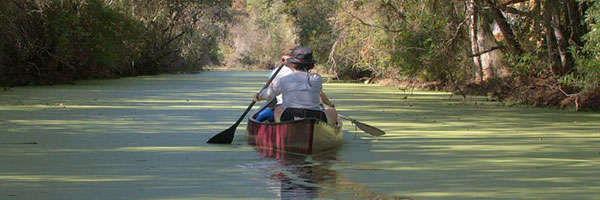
487	51
372	25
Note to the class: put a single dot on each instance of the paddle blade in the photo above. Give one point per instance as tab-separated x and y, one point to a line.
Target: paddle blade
364	127
368	128
225	137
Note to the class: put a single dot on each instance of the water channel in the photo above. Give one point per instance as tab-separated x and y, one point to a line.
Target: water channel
145	138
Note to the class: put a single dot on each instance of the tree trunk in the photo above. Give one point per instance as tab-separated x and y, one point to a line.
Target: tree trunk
558	45
550	37
566	60
492	61
577	29
509	37
473	15
487	56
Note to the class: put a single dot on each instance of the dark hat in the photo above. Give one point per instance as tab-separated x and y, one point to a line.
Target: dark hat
302	55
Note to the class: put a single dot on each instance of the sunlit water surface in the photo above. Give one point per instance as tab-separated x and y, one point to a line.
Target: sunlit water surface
144	138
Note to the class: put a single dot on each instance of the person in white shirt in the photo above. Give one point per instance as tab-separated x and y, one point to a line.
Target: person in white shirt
285	70
301	90
267	114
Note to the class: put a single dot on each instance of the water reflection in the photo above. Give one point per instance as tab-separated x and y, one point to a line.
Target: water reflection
297	176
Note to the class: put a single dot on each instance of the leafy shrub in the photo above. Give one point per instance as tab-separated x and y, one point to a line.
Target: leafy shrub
60	41
588	64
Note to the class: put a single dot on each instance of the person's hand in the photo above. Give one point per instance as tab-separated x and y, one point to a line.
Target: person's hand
256	97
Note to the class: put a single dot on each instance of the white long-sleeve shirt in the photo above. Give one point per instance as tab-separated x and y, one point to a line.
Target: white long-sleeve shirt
300	89
285	70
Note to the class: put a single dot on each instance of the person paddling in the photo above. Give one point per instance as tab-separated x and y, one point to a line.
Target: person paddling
267	113
302	91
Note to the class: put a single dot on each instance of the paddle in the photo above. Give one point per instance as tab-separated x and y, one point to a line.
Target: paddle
226	136
364	127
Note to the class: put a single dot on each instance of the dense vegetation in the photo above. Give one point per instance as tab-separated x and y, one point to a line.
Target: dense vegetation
58	41
532	51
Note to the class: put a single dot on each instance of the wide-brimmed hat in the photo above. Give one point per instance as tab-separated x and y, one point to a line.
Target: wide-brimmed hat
302	55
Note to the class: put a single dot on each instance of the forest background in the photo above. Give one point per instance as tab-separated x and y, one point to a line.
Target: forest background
538	52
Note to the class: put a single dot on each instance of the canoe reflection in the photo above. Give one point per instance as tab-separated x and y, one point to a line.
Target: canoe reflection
301	176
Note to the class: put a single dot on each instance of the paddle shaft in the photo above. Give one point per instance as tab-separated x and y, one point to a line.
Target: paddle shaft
254	102
226	136
345	117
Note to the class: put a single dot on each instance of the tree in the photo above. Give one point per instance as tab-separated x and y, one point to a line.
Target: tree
487	53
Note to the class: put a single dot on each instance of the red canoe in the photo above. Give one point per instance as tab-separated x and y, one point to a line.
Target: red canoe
307	136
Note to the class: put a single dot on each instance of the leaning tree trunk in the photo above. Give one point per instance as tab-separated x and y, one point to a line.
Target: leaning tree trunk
492	61
509	37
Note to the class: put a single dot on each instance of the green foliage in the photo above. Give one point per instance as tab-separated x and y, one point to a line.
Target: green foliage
588	76
526	64
356	38
588	64
572	79
93	39
311	19
260	31
61	41
397	38
431	40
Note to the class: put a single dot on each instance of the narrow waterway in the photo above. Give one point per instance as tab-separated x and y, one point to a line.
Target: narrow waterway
145	138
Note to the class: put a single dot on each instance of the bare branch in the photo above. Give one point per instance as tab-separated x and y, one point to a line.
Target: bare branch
505	7
457	32
372	25
513	2
400	15
487	51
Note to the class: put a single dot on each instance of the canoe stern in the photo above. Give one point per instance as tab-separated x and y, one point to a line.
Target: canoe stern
309	136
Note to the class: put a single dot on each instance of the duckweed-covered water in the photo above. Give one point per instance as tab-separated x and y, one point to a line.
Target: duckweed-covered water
144	138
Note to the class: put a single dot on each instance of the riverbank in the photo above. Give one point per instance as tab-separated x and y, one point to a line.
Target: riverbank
542	92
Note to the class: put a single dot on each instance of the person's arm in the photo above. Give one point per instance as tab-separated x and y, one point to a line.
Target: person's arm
325	100
269	92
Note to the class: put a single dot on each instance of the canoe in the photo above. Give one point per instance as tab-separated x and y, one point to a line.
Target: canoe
306	136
